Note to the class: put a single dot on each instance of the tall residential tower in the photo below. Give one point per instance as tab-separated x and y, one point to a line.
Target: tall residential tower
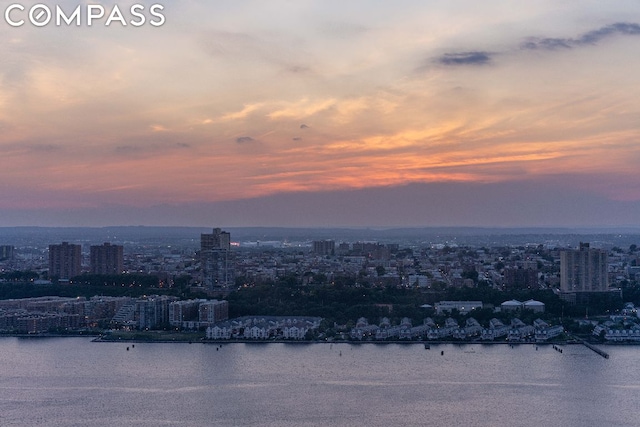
106	259
584	270
65	260
218	268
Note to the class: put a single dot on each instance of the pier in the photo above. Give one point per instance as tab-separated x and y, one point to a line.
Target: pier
592	348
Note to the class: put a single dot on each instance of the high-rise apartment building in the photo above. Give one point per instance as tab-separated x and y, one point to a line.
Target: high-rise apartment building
217	240
65	260
217	261
6	252
584	270
153	311
106	259
324	247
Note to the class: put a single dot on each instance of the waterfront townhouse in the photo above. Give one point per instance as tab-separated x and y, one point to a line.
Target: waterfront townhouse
294	332
544	332
447	330
219	332
419	331
363	330
471	328
262	328
257	332
388	332
622	335
519	331
495	330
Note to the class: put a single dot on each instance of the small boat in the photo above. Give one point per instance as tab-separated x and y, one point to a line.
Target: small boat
427	347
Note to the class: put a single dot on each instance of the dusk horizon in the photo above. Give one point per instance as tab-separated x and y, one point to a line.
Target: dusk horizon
322	114
407	206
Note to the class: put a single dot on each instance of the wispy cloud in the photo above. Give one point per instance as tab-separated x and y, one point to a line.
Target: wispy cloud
244	139
588	38
238	115
302	108
319	97
465	58
474	58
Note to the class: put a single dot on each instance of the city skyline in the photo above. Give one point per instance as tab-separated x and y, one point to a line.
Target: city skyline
320	113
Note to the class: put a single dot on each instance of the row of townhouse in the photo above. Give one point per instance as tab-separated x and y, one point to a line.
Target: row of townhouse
515	331
518	331
613	332
405	331
623	327
268	327
264	332
393	332
622	335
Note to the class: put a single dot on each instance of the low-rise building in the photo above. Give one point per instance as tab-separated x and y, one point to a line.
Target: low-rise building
463	307
264	327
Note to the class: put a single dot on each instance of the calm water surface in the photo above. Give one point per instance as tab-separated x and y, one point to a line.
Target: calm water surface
74	382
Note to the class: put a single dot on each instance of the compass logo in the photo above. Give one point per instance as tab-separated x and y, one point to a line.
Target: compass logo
41	15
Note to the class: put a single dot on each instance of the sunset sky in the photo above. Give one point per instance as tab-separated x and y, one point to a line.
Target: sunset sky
325	113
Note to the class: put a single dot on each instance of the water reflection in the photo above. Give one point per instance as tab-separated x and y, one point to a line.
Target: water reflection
76	382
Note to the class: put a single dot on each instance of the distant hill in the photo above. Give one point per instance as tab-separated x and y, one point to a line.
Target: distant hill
475	236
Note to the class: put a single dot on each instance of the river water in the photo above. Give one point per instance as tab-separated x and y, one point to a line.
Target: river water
75	382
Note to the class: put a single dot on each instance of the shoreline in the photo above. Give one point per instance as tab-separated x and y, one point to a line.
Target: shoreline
100	338
299	342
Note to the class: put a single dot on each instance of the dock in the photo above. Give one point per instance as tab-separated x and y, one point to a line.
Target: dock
592	348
